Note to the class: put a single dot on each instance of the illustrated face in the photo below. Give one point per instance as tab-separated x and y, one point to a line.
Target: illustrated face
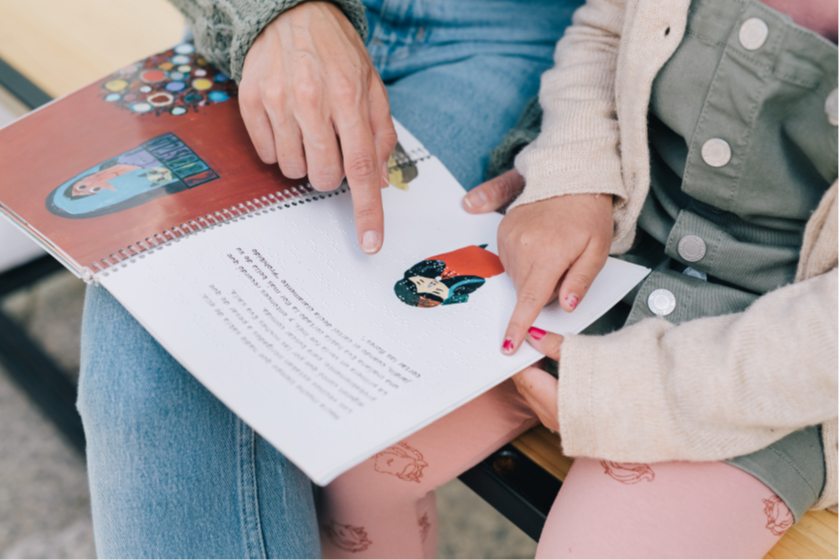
430	286
98	181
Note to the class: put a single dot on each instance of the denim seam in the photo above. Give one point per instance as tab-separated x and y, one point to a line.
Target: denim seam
247	478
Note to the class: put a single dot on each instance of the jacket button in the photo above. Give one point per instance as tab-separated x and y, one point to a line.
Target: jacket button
716	152
753	34
831	107
692	248
661	302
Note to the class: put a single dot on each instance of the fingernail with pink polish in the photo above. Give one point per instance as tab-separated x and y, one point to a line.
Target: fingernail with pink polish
536	333
507	347
572	301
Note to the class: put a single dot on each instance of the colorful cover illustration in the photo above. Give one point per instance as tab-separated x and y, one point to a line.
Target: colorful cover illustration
448	278
161	166
175	82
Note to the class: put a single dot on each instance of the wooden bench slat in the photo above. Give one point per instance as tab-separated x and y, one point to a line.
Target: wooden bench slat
815	536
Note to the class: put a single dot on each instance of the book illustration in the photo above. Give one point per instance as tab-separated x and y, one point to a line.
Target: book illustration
448	278
347	537
401	168
402	461
172	82
159	167
628	473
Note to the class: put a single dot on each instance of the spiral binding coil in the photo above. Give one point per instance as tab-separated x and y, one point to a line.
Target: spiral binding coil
291	196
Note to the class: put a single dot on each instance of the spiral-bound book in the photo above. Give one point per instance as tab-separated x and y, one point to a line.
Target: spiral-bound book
146	183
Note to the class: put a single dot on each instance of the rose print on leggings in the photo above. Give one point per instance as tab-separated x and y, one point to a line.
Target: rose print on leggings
347	537
402	461
628	473
778	516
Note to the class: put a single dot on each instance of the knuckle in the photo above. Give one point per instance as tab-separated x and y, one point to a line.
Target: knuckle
249	97
306	94
366	213
361	166
582	281
505	188
274	93
528	298
389	139
345	90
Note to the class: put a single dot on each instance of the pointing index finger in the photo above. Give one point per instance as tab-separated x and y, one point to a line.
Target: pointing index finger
531	298
364	177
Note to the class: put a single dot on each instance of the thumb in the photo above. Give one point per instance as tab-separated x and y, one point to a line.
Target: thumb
494	194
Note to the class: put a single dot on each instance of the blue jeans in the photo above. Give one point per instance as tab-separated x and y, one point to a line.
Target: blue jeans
174	473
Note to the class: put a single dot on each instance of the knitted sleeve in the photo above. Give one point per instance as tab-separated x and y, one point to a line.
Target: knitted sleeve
503	156
577	150
224	30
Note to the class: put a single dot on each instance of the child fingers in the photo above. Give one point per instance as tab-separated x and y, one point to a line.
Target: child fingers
531	297
539	389
581	275
547	343
494	194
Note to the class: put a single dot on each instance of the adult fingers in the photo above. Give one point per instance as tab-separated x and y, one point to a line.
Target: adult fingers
323	156
495	193
312	114
580	276
547	343
531	297
381	124
539	389
363	172
257	123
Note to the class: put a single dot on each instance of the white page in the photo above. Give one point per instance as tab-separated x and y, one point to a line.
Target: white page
353	369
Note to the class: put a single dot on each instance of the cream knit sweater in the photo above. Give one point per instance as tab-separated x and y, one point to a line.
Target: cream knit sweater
707	389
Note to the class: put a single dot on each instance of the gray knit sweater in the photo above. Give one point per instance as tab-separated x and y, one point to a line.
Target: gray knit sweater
225	29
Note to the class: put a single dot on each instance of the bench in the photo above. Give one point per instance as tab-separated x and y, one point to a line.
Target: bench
521	481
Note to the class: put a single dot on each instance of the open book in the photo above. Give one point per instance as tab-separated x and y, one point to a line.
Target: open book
146	183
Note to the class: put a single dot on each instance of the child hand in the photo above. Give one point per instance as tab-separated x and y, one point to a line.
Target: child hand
494	194
538	387
554	247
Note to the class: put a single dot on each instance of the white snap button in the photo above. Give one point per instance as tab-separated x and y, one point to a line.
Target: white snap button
831	107
716	152
753	34
692	248
661	302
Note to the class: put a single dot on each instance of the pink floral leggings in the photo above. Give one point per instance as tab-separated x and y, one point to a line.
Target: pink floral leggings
385	507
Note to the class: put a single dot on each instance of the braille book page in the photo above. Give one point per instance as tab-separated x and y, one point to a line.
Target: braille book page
330	354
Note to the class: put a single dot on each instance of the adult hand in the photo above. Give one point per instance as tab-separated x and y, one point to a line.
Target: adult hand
313	103
538	387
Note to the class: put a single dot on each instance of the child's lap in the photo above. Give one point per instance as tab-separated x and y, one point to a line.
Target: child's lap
667	510
604	509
